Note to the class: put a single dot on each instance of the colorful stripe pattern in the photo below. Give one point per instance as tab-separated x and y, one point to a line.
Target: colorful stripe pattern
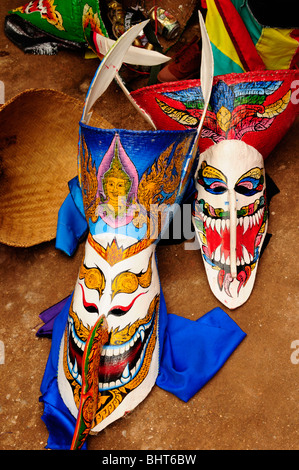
241	44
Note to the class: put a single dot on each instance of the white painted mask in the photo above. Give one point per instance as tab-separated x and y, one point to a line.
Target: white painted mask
130	181
230	218
126	291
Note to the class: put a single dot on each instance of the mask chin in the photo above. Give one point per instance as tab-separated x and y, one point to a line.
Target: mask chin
230	218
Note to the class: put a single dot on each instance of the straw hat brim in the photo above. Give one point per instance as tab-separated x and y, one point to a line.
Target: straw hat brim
38	156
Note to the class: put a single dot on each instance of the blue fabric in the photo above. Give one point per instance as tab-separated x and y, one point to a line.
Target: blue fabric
195	350
71	226
59	421
191	353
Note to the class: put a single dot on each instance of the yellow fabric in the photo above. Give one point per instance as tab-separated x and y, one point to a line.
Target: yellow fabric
276	48
219	35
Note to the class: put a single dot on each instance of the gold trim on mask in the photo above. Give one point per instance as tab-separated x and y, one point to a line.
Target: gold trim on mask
118	337
107	405
113	253
81	330
111	399
128	282
93	278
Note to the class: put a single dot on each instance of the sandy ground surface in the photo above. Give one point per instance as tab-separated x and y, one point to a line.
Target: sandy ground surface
251	403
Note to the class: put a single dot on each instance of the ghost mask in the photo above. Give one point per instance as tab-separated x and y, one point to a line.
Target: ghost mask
248	114
127	294
230	218
129	182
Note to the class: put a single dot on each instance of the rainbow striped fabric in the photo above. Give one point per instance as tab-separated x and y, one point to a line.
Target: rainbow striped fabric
241	44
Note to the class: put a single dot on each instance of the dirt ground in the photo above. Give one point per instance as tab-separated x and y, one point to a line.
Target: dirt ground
251	403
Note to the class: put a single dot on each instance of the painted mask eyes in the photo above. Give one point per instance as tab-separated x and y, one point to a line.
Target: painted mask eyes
89	307
93	279
215	182
250	183
211	179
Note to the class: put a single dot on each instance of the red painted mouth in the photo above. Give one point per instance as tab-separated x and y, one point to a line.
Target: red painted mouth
118	363
248	238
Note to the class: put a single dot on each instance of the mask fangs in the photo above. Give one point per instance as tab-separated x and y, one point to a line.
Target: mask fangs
230	218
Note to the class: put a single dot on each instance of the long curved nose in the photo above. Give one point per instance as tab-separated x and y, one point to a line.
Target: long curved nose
233	232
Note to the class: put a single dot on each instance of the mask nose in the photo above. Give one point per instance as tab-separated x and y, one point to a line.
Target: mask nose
233	232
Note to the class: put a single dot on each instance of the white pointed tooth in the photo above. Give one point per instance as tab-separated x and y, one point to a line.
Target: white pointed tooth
222	259
115	351
118	383
227	223
218	226
79	379
217	253
127	347
250	221
142	334
240	221
205	218
125	378
109	352
246	224
133	371
122	350
223	224
112	384
227	261
259	213
208	221
126	372
75	368
250	257
242	261
238	262
103	353
101	385
245	255
213	224
131	342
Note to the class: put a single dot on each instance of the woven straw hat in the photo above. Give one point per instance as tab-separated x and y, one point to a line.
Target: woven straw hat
38	156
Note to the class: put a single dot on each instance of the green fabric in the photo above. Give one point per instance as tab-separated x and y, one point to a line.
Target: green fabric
222	63
64	17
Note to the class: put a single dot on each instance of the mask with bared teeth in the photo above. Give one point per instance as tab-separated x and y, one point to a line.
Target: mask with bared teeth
129	182
230	217
248	115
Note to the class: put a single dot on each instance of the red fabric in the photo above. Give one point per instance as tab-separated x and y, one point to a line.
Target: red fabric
239	36
295	35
